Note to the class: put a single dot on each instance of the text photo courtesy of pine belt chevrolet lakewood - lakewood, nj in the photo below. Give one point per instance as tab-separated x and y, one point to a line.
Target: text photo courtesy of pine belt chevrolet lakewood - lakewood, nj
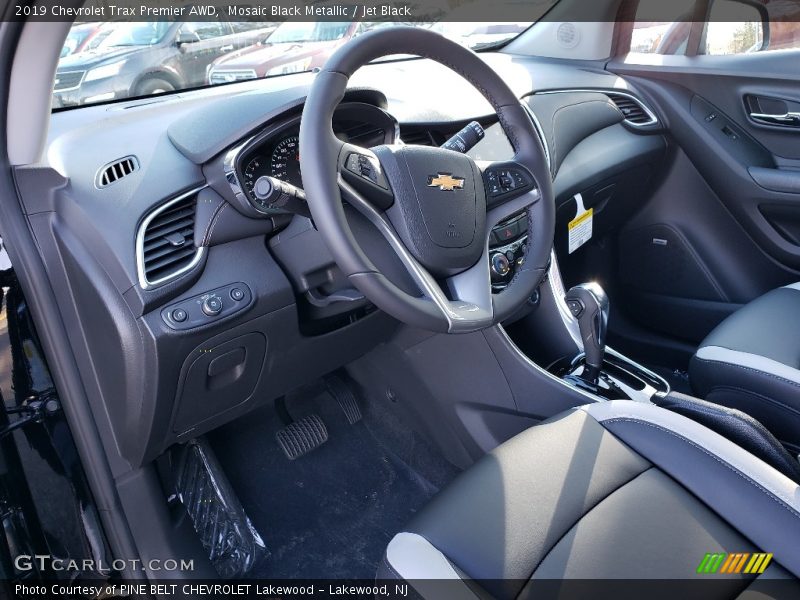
430	299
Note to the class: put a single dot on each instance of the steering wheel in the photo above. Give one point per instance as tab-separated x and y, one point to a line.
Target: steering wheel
435	207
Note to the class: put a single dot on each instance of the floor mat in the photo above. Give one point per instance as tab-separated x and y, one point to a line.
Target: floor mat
329	513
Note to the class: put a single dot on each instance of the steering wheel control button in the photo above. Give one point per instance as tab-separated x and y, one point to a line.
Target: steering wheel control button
368	168
510	180
575	307
212	306
208	307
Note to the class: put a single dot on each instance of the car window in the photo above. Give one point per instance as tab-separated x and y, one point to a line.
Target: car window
97	39
203	31
243	26
732	27
292	32
135	34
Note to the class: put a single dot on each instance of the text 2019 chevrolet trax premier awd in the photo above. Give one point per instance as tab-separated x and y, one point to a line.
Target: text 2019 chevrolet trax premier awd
499	301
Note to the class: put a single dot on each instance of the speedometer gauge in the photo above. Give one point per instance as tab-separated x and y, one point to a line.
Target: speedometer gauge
285	161
257	167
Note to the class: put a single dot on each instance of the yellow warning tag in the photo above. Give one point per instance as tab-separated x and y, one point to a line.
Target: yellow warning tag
580	228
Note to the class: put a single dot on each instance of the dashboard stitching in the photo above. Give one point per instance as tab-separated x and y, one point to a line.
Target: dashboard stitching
216	220
210	228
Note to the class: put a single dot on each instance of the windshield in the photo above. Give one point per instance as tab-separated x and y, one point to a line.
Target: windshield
103	62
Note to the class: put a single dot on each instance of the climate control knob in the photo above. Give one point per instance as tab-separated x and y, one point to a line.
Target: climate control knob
500	265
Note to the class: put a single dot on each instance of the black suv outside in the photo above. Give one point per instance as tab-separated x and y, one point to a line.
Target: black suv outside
139	59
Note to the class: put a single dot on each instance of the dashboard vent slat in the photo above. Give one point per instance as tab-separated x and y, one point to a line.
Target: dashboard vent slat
178	224
417	137
165	242
632	109
113	172
158	267
355	130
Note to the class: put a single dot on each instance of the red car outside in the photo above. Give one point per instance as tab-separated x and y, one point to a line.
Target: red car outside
292	48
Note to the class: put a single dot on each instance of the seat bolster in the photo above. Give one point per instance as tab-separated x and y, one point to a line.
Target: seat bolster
413	559
751	362
753	497
766	327
760	366
761	387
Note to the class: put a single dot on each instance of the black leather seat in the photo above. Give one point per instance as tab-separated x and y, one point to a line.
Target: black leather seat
612	490
751	361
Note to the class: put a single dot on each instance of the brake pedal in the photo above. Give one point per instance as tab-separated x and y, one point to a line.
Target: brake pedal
302	436
341	390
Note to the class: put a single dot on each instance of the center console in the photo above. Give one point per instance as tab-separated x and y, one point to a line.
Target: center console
576	322
577	358
619	378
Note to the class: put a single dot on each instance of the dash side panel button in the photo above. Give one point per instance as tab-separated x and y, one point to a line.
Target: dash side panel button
207	308
212	306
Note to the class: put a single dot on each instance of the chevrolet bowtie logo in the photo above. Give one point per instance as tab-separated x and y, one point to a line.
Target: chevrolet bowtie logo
446	182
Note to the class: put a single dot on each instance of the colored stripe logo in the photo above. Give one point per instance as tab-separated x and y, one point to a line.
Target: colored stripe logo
737	562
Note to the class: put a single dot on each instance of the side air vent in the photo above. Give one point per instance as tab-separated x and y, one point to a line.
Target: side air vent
116	170
635	112
165	242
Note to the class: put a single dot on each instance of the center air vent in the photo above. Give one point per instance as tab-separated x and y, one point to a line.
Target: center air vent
422	136
417	137
635	113
165	243
116	170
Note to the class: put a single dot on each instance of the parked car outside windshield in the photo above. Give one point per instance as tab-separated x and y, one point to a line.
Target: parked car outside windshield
85	36
141	59
146	58
292	48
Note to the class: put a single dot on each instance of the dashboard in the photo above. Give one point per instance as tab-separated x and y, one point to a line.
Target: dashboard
251	305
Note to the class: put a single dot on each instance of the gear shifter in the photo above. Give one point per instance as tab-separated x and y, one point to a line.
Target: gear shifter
588	303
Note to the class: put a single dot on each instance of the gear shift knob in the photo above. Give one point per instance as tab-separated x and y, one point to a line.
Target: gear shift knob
588	303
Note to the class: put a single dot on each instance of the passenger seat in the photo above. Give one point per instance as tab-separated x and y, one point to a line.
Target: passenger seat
751	361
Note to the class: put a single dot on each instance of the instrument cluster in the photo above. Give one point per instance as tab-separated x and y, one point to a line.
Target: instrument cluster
280	159
276	152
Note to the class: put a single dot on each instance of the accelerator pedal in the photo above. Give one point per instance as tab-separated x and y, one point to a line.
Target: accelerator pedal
341	390
302	436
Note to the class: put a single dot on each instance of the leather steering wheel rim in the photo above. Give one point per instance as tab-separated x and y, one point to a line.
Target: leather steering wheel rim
321	158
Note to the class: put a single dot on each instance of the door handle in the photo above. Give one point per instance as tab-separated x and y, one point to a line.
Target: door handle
789	119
